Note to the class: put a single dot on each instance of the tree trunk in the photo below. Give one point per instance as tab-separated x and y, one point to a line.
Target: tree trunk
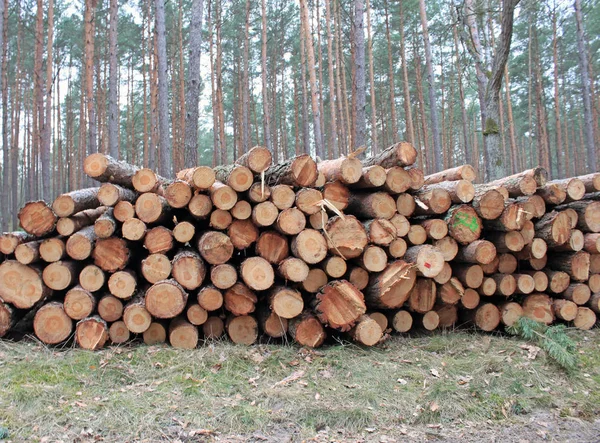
374	143
332	95
165	154
358	81
410	131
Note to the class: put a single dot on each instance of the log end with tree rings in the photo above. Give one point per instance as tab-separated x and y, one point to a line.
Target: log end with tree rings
51	324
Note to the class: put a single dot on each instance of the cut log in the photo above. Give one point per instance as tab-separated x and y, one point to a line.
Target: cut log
156	267
576	264
564	309
196	314
110	308
402	321
105	225
405	204
469	275
448	247
239	299
335	267
283	196
381	320
417	178
510	313
155	334
558	281
271	324
534	206
37	218
123	211
339	305
242	210
311	246
348	170
166	299
146	180
371	177
294	269
110	194
105	168
159	240
591	242
538	307
511	241
151	208
58	276
470	299
220	220
223	196
178	194
574	188
540	280
399	154
506	284
272	246
136	316
435	228
594	263
242	330
594	303
200	206
213	328
81	244
450	293
118	333
591	182
215	247
427	259
517	185
366	331
588	212
594	283
554	228
381	231
286	302
528	232
430	321
27	253
264	214
92	278
91	333
537	249
259	192
464	172
552	193
391	288
488	287
488	203
578	293
257	159
397	248
337	194
238	177
257	273
478	252
487	317
72	202
417	235
223	276
372	205
525	283
182	334
422	297
447	314
315	281
122	284
242	233
513	218
201	177
10	240
111	254
397	180
507	264
445	275
291	221
300	171
133	229
373	258
51	324
434	201
53	249
346	236
359	277
461	191
188	269
210	298
464	225
575	243
585	319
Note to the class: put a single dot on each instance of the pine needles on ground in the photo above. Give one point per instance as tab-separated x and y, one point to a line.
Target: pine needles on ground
553	339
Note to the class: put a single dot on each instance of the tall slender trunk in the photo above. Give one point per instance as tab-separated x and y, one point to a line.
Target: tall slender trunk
348	128
320	53
244	90
165	165
47	128
305	127
16	123
391	75
90	107
585	89
514	156
154	125
213	95
265	92
113	80
38	101
5	170
145	137
358	81
181	108
374	143
461	94
424	151
334	149
433	111
192	92
219	86
410	130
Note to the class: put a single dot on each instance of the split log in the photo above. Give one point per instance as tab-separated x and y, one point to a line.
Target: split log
348	170
257	159
155	334
478	252
58	275
286	302
178	194
346	236
399	154
223	276
300	171
417	178
422	296
464	225
201	177
451	292
257	273
110	308
294	269
272	246
538	307
464	172
240	300
381	231
310	246
91	333
156	267
92	278
223	196
371	205
528	232
371	177
391	288
182	334
283	196
111	254
242	330
366	331
110	194
210	298
37	218
53	249
122	284
339	305
215	247
188	269
426	258
488	203
402	321
238	177
242	234
105	168
51	324
534	205
159	240
72	202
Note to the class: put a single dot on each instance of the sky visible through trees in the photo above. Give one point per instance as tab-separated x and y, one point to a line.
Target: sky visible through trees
319	76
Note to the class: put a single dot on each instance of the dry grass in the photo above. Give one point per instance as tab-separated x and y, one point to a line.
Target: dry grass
159	393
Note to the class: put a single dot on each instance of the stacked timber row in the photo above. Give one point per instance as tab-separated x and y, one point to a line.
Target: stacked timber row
347	246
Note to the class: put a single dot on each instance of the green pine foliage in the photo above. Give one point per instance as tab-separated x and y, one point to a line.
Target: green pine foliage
552	339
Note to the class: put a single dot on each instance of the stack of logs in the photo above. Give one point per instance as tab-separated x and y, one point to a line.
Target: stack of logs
300	250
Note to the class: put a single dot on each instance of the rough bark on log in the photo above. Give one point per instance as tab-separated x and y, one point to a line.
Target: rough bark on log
399	154
348	170
110	194
391	288
339	305
10	240
72	202
464	172
201	177
104	168
464	225
300	171
372	205
238	177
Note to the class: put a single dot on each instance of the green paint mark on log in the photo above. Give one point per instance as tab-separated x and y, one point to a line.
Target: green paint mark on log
467	220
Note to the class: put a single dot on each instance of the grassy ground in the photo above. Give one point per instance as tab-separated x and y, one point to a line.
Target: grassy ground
449	385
